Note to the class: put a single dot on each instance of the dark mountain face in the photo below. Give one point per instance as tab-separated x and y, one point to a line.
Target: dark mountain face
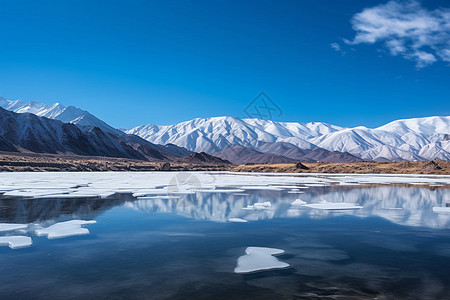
202	158
42	135
241	155
307	155
159	152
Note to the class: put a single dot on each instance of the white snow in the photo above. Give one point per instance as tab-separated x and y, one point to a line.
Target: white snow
15	241
259	259
65	229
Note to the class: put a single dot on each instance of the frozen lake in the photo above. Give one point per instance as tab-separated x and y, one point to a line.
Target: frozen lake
223	236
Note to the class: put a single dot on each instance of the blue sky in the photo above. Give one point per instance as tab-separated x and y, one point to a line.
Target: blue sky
162	62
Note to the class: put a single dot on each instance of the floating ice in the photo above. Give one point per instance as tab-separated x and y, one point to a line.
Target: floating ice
259	259
441	210
10	226
15	241
158	197
219	190
333	206
150	192
237	220
261	187
65	229
102	184
258	206
295	191
298	202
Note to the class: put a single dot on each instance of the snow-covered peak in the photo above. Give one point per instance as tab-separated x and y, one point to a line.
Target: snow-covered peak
57	111
428	125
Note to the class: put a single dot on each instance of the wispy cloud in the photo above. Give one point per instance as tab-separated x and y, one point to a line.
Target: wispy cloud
336	46
406	28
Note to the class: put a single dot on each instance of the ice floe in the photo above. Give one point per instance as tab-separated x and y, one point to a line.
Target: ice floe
441	210
11	226
261	187
298	202
259	259
237	220
65	229
15	241
219	190
333	206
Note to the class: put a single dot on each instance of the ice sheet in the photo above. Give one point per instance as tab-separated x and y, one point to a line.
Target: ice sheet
102	184
259	259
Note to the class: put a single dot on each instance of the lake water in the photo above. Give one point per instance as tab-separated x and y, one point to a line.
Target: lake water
182	245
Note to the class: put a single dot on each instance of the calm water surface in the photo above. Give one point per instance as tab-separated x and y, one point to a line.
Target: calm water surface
395	247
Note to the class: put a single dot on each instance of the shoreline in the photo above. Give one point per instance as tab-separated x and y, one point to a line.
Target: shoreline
27	162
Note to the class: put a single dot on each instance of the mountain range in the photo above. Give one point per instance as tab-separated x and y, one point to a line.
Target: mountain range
410	139
260	141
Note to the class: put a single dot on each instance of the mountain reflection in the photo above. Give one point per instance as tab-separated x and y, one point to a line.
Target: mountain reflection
401	205
20	210
407	206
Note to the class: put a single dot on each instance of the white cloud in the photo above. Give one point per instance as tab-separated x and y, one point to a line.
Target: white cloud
407	29
335	46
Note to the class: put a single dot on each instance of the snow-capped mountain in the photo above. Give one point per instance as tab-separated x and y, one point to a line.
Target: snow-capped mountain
57	111
214	134
410	139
